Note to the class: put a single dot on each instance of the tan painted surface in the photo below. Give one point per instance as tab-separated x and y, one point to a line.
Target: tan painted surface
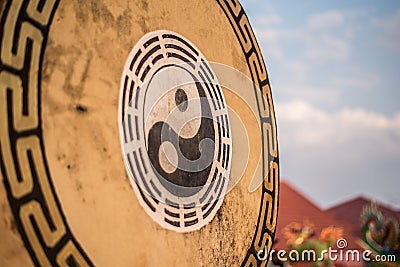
88	44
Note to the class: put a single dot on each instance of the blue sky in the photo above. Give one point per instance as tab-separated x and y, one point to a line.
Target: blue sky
334	68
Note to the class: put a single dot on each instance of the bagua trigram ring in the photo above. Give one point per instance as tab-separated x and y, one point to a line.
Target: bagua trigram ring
174	130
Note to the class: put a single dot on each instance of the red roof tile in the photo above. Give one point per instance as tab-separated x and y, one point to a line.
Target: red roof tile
295	207
350	210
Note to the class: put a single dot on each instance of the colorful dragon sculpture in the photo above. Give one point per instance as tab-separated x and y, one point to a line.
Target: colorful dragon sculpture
381	236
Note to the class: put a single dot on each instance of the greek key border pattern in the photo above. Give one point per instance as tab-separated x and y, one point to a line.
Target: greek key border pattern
266	225
24	28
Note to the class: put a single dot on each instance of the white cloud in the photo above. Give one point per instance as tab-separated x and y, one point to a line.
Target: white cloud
306	126
338	154
322	37
357	80
269	19
326	20
325	47
294	90
296	70
294	85
323	33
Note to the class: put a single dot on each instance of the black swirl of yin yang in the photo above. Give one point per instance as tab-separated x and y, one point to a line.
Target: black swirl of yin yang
175	132
194	154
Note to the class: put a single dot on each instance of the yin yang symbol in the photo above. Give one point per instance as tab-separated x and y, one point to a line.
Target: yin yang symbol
174	131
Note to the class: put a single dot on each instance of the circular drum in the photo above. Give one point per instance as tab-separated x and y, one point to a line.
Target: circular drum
134	133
